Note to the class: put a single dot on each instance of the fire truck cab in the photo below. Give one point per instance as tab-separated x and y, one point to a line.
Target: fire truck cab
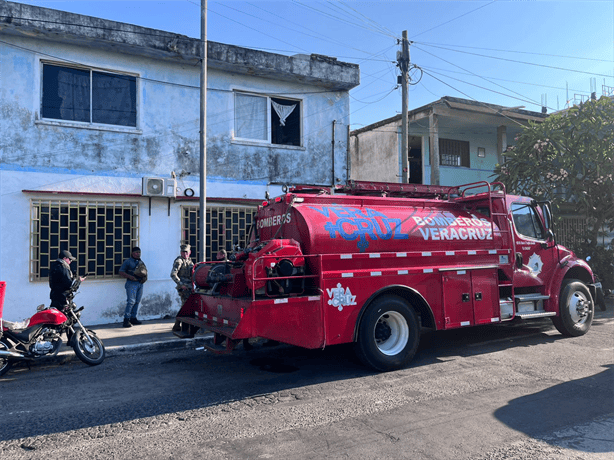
377	263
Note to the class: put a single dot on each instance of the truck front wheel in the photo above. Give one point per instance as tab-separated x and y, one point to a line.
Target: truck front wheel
576	309
388	335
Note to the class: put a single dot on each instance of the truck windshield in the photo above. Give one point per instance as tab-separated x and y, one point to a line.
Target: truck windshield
527	221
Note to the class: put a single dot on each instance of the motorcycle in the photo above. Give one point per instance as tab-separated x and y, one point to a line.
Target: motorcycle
42	335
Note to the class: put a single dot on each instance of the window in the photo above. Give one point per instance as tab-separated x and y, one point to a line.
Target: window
99	234
88	96
268	119
527	222
453	153
226	227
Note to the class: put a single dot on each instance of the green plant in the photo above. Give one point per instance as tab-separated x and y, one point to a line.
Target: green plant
569	160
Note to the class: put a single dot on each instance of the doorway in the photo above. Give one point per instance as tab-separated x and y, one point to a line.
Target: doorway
415	160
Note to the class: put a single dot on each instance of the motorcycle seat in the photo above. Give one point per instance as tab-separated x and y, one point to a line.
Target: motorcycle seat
22	335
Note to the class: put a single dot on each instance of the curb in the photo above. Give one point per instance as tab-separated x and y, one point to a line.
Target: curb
151	347
68	354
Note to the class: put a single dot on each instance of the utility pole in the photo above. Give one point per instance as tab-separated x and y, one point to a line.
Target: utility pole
202	233
403	63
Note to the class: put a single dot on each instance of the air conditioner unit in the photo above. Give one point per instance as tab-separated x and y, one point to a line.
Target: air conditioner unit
158	186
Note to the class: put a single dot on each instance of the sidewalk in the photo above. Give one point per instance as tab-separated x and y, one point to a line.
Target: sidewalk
151	336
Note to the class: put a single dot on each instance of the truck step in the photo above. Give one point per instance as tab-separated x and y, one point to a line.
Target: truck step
535	314
219	349
531	297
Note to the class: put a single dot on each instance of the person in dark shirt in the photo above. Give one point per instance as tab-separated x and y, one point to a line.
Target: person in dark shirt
61	279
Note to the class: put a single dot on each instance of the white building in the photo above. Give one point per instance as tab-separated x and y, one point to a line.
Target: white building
99	148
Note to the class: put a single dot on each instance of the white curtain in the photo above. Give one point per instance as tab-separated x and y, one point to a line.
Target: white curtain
250	117
283	111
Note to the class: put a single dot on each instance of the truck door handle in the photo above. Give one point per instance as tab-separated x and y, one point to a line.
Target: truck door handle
478	296
466	297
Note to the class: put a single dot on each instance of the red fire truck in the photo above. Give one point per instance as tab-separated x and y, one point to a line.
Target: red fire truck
377	263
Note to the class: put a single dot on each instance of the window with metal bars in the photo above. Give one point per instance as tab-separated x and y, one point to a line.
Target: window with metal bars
454	153
227	226
570	229
99	234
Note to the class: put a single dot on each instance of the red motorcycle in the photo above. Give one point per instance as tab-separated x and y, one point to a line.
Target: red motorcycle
42	335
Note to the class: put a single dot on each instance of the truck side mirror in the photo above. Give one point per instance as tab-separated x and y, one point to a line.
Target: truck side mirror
549	238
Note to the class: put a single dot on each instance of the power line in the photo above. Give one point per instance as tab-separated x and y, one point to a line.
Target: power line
481	103
483	78
518	52
337	18
458	17
503	79
521	62
361	17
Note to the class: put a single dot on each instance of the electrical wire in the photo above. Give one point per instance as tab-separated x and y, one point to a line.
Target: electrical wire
318	35
434	69
361	17
518	52
473	99
337	18
454	19
483	78
521	62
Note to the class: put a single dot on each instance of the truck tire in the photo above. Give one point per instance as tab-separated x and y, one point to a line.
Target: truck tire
388	334
576	309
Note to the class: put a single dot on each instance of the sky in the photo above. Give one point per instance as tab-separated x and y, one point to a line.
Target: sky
526	54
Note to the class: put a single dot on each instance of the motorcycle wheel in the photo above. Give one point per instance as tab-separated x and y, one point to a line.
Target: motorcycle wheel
5	363
91	354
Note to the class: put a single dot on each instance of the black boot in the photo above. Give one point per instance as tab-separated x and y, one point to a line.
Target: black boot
135	322
127	323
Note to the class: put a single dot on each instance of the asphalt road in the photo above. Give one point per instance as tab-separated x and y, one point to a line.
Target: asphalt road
495	392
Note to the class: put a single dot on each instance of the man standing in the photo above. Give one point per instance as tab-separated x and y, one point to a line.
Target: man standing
134	286
60	279
181	273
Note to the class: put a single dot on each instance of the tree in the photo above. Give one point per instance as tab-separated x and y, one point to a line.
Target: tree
569	160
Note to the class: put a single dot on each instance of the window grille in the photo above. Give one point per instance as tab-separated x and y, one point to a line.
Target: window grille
227	226
569	229
453	153
99	234
88	96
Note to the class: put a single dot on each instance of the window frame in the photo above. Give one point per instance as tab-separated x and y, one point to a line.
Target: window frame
90	123
269	129
80	235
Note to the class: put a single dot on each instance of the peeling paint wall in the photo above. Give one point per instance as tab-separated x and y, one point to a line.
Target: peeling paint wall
45	155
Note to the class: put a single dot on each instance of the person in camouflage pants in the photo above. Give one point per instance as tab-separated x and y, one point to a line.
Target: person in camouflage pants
181	273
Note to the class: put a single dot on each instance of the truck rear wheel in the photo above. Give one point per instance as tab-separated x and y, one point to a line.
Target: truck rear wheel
388	335
576	309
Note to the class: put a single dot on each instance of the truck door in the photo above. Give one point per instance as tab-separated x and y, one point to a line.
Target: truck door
534	256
